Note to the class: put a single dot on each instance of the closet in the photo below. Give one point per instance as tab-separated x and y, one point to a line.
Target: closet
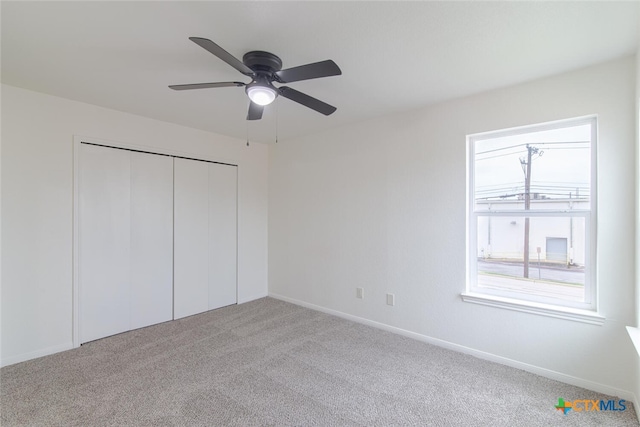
157	239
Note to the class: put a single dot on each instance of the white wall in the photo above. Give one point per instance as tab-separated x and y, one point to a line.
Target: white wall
637	322
381	205
37	208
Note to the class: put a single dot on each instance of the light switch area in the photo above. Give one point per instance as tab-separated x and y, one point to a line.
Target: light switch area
360	293
391	299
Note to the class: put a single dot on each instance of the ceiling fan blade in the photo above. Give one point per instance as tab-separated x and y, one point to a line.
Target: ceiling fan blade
206	85
222	54
310	71
307	101
255	111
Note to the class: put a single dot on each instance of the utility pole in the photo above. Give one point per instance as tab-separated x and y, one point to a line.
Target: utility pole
526	168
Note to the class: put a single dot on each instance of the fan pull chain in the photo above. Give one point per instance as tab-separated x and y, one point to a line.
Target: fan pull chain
247	123
277	115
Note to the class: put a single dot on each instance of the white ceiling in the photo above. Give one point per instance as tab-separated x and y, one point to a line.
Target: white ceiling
394	56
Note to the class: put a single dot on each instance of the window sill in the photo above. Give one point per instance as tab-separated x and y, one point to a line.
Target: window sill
566	313
634	333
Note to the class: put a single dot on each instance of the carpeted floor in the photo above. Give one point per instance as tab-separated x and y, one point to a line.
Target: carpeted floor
268	362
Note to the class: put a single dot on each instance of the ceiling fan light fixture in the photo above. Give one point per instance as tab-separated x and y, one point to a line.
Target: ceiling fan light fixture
261	95
264	69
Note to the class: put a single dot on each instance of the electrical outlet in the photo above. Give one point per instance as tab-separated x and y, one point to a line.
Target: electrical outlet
391	299
360	293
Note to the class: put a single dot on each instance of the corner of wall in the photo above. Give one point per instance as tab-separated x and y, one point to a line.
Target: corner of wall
637	390
638	189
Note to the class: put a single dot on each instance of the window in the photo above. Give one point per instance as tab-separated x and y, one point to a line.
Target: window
531	217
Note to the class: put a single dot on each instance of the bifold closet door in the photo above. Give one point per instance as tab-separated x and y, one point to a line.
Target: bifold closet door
223	235
205	236
125	215
151	247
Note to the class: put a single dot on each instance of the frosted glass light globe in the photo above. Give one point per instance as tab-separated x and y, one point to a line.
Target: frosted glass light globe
261	95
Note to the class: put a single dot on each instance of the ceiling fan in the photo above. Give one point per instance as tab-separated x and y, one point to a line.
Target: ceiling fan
264	68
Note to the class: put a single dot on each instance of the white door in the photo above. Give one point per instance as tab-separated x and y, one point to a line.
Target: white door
205	233
151	260
222	235
104	242
556	249
125	240
191	238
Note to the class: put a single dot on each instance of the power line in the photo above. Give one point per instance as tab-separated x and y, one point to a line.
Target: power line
519	152
499	155
539	182
537	143
499	149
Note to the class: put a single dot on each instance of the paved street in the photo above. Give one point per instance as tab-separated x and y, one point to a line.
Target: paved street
556	274
547	281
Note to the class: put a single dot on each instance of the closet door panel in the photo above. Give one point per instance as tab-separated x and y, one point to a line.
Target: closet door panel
151	239
104	238
222	235
191	238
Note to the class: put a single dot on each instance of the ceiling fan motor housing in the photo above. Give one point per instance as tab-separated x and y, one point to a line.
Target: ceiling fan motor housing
262	62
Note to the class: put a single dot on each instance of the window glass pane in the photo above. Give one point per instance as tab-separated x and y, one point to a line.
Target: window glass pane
557	250
541	170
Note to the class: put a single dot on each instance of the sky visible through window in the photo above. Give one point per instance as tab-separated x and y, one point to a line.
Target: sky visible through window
560	169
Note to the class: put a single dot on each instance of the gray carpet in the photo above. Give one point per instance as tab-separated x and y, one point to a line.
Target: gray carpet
268	362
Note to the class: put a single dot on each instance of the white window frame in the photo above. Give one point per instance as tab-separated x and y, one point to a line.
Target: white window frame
580	311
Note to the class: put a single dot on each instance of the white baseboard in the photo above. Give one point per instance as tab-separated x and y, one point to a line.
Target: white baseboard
636	405
547	373
35	354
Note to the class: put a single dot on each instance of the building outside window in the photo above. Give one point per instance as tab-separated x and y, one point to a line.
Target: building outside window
531	215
